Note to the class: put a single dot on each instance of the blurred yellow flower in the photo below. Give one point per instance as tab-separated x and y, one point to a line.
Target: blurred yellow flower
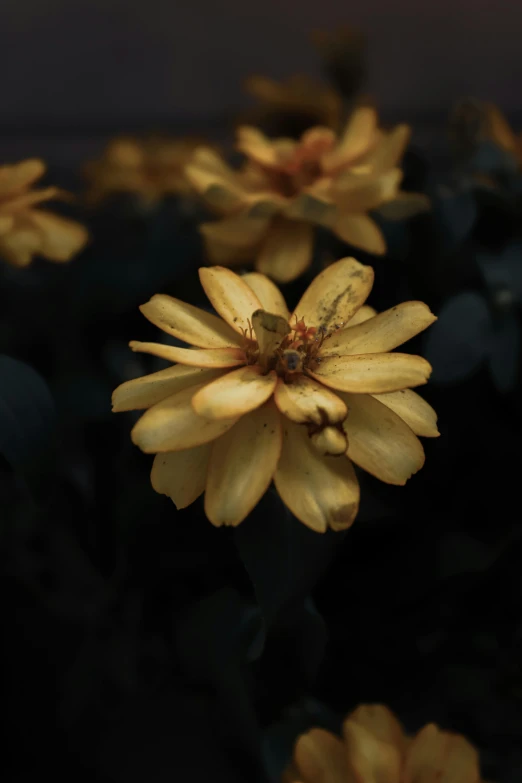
312	102
150	168
375	749
26	231
286	187
264	395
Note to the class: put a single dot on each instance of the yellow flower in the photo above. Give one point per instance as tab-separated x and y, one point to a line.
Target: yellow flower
265	395
286	187
316	104
375	749
26	231
150	168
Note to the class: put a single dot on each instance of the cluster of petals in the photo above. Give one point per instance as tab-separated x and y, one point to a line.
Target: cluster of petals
25	230
375	749
263	395
286	188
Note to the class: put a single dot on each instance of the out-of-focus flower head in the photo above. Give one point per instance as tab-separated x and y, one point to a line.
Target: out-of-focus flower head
26	231
374	748
149	168
262	394
343	52
286	187
293	105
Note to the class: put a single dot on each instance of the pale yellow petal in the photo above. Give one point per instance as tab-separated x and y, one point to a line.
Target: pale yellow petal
286	251
330	440
189	323
194	357
361	193
335	295
235	393
216	181
358	136
173	425
270	331
390	149
242	465
360	231
372	373
15	178
61	238
382	333
230	296
369	759
150	389
362	314
320	491
181	475
271	298
254	144
379	441
320	758
305	401
412	409
381	723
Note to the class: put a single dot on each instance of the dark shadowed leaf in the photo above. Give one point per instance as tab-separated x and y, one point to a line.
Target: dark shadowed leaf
504	357
454	214
503	271
457	343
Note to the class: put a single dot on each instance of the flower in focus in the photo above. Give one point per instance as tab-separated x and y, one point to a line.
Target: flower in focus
297	101
287	187
264	395
150	168
26	231
375	749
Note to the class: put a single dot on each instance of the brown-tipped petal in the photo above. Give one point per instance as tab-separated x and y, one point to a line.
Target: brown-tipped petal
379	441
173	425
362	314
369	759
357	138
382	333
329	440
271	298
270	331
434	755
193	357
230	296
412	409
189	323
381	723
242	465
181	475
286	251
61	238
404	205
305	401
360	231
235	394
15	178
361	193
320	491
320	758
335	295
373	373
143	392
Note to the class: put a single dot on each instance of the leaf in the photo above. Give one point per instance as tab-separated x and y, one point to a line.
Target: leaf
457	343
504	358
454	214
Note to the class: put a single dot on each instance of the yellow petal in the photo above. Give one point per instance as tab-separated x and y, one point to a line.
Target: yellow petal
381	723
287	250
19	245
181	475
404	205
320	758
329	440
173	425
320	491
210	176
361	315
357	138
194	357
30	198
271	298
20	175
369	759
335	295
240	232
360	231
382	333
255	145
188	323
234	394
412	409
230	296
61	238
313	206
242	466
305	401
6	223
379	441
150	389
440	756
389	151
373	373
270	331
361	193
